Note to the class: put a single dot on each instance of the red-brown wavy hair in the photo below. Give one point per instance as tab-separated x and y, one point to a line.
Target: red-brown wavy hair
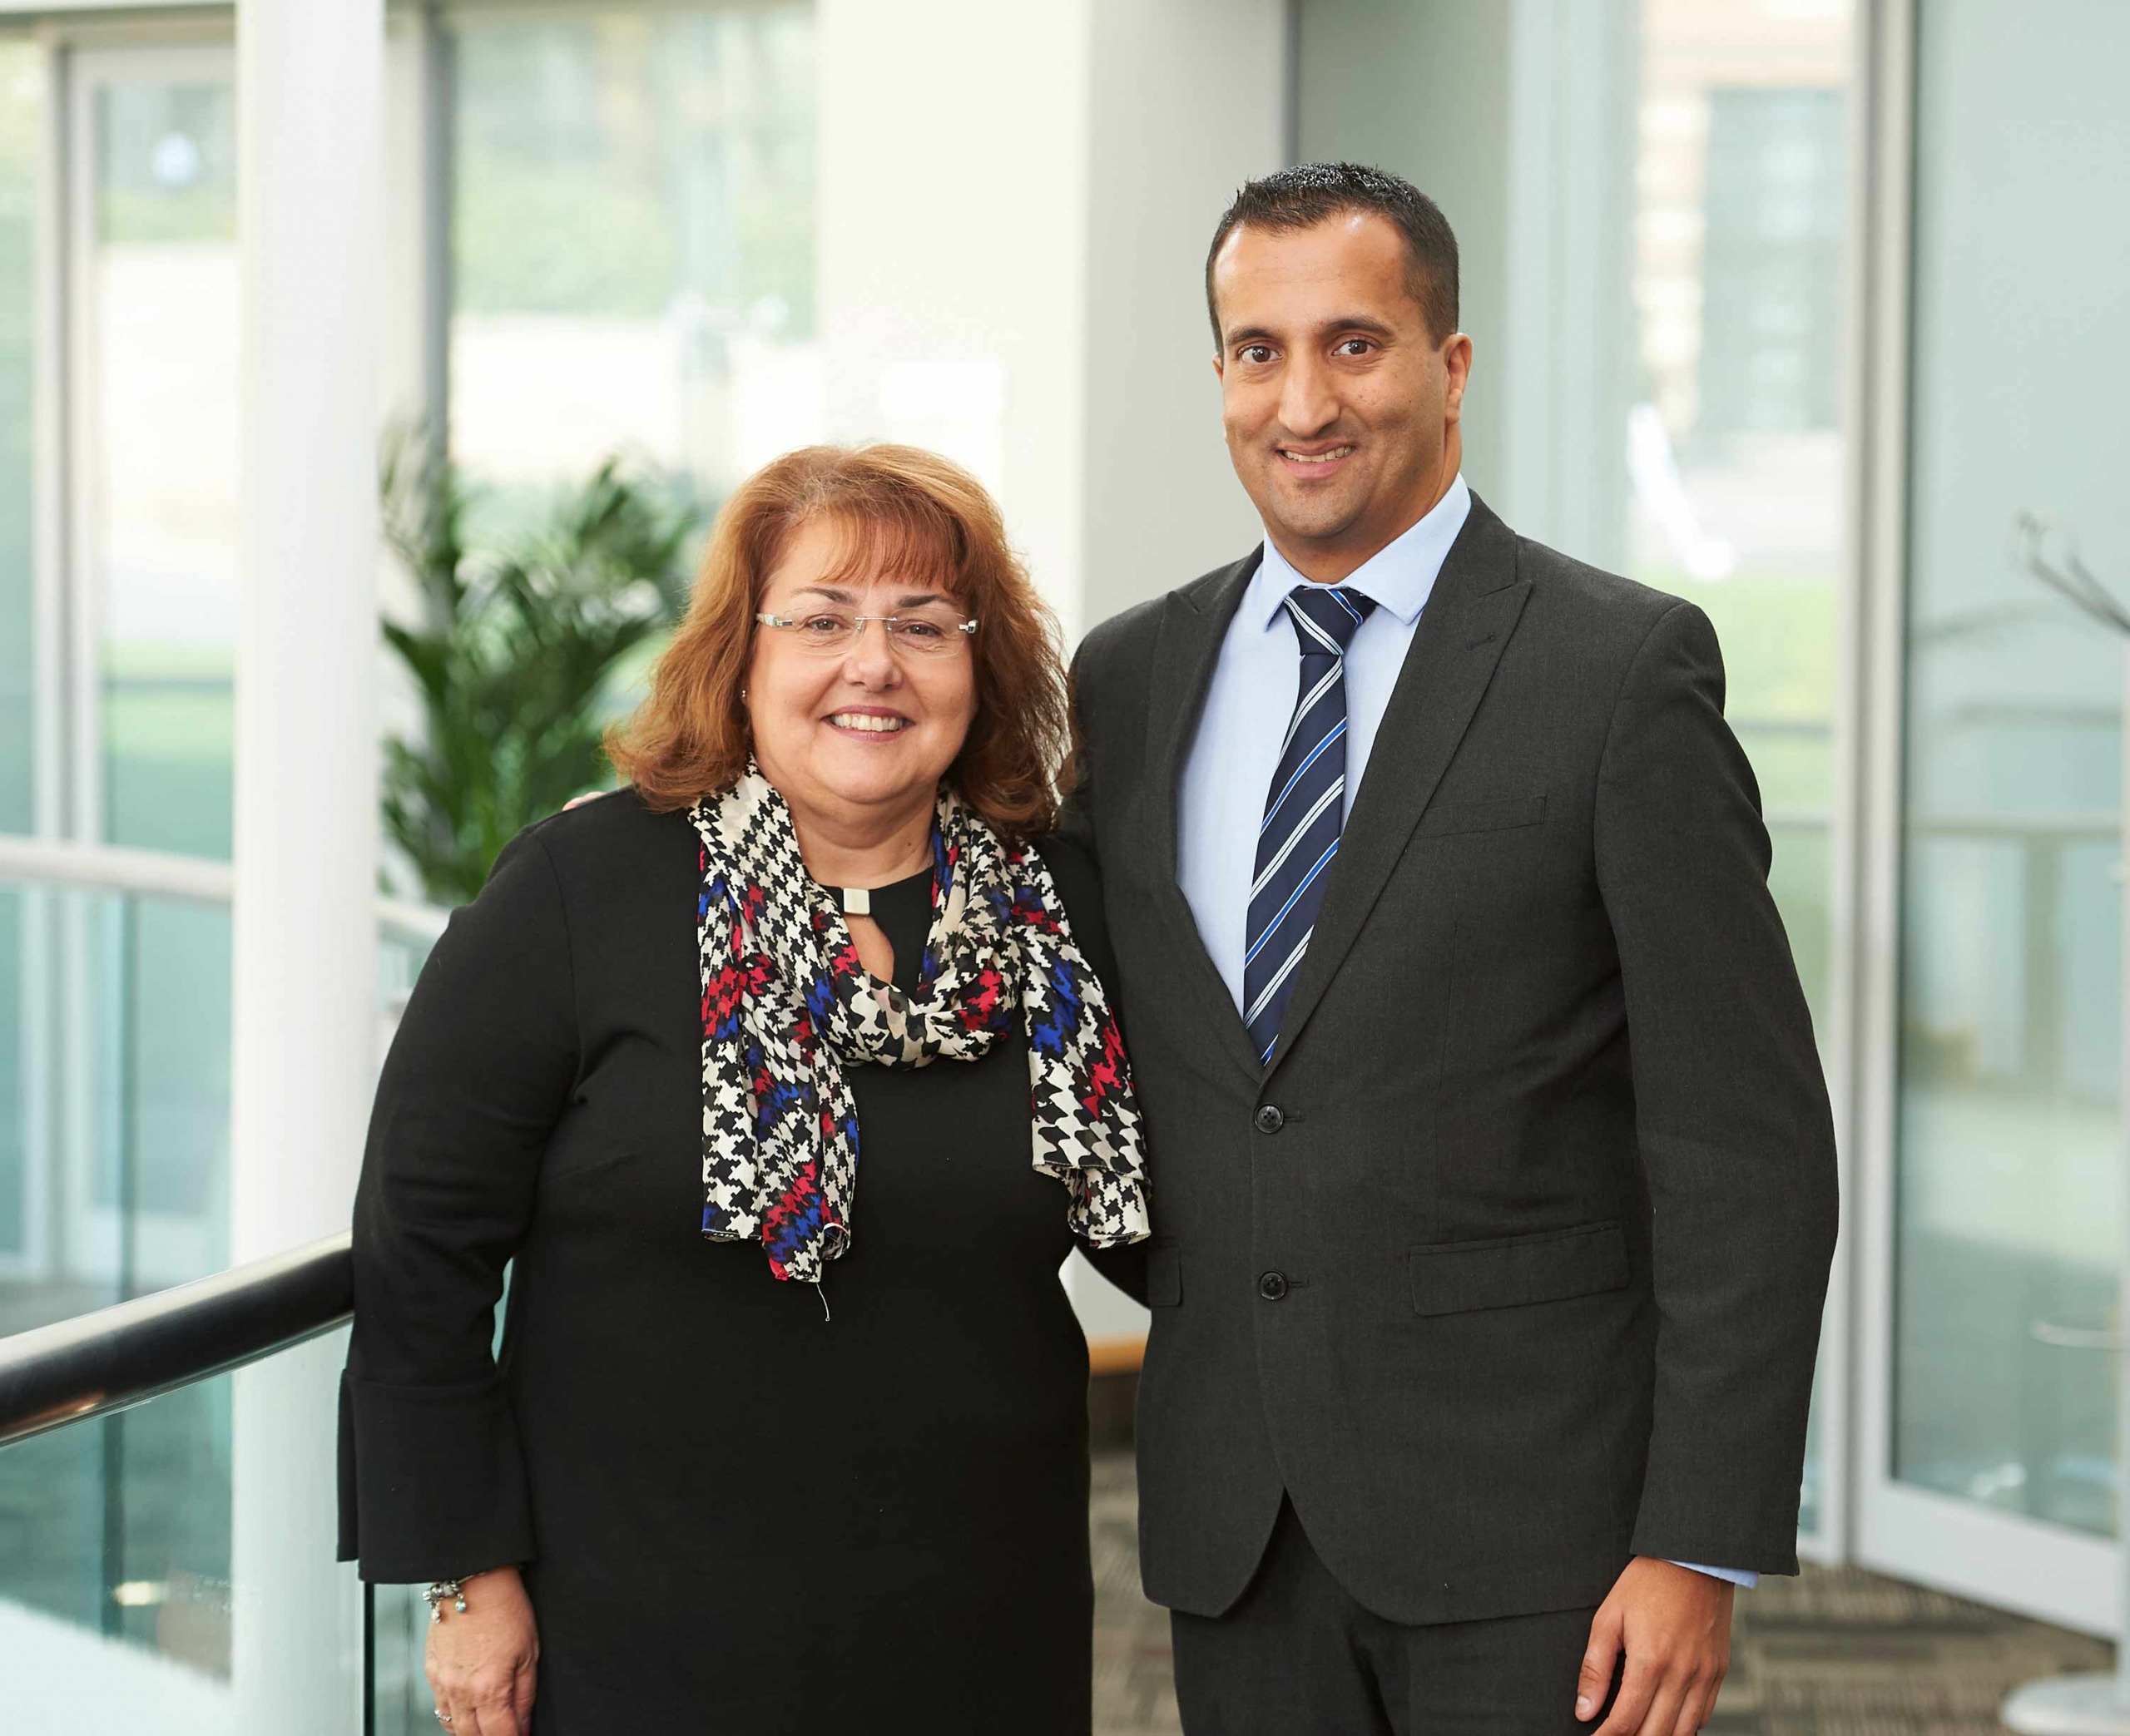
910	514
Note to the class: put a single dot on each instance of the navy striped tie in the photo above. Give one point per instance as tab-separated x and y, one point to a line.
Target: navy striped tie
1305	810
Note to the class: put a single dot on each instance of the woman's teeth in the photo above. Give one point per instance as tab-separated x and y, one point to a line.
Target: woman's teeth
866	721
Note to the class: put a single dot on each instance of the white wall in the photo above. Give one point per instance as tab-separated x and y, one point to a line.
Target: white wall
1422	88
1517	119
1188	102
1014	205
952	245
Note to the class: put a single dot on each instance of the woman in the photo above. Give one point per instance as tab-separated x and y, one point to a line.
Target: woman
771	1447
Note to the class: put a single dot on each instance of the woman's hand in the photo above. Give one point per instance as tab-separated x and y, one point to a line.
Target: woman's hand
481	1664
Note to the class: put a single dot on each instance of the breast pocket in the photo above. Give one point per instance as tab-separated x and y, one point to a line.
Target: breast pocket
1444	818
1454	1278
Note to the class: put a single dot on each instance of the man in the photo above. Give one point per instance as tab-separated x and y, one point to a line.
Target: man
1494	1177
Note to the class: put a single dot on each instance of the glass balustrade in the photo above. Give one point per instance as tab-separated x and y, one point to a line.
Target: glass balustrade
114	1097
117	1534
115	1568
125	1606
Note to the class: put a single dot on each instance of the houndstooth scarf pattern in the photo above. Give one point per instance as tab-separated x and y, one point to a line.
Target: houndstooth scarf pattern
786	1007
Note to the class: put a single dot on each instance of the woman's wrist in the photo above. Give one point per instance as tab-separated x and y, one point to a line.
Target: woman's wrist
440	1593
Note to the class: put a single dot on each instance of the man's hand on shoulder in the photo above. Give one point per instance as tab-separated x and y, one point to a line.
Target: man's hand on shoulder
1674	1624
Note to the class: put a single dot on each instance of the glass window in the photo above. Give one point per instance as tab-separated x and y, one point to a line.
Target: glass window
155	287
22	124
1735	448
632	246
2008	1202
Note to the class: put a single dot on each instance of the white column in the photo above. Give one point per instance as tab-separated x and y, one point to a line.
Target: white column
952	239
310	82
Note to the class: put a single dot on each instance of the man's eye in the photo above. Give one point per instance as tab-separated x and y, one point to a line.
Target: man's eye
1356	347
1256	353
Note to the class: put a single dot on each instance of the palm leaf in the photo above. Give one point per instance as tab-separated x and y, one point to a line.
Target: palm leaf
514	661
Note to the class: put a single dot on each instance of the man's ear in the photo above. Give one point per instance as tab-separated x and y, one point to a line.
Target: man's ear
1219	368
1457	364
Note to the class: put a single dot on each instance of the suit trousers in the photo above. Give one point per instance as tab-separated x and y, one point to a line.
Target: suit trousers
1298	1654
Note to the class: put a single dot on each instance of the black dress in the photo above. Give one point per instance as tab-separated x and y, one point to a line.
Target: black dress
745	1505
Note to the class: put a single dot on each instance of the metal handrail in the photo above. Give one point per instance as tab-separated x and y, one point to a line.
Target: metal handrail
119	1357
160	874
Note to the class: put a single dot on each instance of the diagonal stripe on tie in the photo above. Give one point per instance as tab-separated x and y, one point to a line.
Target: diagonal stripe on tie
1305	809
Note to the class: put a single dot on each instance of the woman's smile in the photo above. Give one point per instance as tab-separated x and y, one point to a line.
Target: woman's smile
868	723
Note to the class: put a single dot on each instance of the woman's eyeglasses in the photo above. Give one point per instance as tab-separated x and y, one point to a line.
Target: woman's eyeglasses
925	634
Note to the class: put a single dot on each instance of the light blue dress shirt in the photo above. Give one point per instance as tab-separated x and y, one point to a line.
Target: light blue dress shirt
1255	685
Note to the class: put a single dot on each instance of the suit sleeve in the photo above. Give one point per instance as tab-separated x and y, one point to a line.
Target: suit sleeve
1731	1115
431	1483
1075	816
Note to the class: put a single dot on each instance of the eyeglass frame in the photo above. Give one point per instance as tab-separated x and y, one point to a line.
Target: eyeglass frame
967	628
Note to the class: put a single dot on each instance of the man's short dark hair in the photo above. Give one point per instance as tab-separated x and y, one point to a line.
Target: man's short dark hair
1303	196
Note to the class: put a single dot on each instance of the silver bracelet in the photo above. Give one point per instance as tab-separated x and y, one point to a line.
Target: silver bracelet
440	1592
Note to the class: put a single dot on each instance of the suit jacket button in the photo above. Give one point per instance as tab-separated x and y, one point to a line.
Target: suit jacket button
1270	1119
1272	1286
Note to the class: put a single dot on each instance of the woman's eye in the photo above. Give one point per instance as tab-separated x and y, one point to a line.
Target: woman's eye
821	623
921	630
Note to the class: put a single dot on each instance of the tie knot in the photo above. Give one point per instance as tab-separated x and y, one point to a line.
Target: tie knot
1325	619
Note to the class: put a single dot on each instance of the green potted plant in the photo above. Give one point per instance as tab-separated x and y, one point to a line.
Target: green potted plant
516	653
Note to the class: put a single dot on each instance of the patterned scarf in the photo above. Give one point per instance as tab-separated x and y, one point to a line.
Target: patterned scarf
786	1007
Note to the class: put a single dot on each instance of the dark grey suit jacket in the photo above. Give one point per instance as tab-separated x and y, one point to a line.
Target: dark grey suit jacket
1510	1265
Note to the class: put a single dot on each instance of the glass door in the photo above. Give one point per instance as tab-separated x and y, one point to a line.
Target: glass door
1992	1466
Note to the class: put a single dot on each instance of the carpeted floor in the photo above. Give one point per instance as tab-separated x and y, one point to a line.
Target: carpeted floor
1839	1652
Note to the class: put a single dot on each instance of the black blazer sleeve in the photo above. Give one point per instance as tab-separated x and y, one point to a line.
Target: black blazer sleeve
1078	881
1732	1117
432	1485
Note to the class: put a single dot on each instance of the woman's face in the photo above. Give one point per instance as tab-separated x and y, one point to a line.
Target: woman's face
861	733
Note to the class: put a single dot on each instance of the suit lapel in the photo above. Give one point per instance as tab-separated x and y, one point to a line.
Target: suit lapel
1473	609
1194	622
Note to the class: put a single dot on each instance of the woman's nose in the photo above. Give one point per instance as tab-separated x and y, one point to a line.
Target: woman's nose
871	659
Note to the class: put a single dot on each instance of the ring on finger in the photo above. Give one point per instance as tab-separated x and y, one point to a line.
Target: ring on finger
443	1717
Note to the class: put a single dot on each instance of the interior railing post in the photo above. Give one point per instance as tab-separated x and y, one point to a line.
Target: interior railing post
129	1095
110	1612
370	1658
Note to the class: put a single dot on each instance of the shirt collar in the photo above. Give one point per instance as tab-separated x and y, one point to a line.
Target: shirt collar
1400	577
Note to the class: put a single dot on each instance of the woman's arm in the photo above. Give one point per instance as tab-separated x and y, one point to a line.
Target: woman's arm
431	1483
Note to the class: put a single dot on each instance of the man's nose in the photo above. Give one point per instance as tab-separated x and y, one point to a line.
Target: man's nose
1308	404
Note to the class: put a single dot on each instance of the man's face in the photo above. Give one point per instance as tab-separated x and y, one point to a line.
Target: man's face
1341	412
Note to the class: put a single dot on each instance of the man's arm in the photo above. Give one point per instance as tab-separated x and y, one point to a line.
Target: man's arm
1737	1149
1732	1115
